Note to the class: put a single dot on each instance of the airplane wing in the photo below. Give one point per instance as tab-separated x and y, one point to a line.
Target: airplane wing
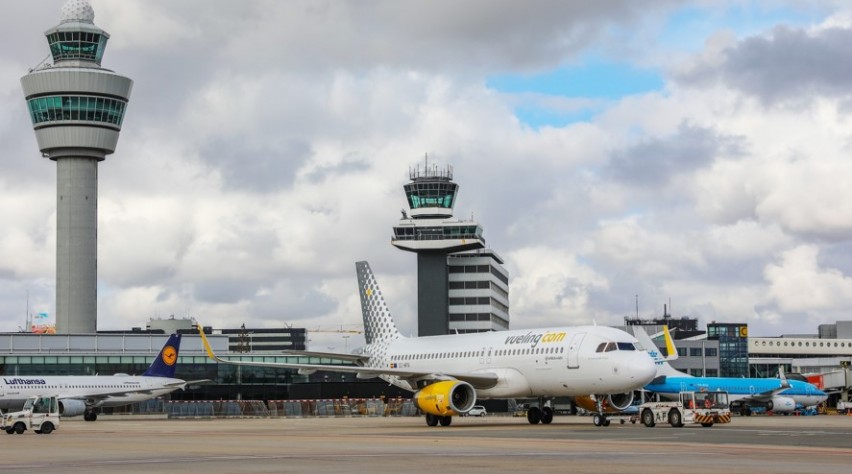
480	380
327	355
93	399
767	395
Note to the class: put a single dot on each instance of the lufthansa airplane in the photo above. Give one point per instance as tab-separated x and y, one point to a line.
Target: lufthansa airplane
81	394
449	373
775	394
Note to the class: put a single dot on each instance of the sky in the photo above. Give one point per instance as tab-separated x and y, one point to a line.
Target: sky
618	154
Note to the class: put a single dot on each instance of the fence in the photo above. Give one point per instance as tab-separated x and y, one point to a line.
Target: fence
346	407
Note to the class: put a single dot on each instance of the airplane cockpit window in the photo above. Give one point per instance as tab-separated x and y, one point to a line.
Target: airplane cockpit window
606	347
626	346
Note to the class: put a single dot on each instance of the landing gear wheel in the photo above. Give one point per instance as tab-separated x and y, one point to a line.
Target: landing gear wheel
534	415
547	415
445	420
675	418
648	418
598	420
431	420
90	416
606	422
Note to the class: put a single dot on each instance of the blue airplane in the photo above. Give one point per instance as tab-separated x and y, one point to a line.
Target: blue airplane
775	394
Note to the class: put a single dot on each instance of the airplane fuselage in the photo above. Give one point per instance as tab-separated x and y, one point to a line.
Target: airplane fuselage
802	393
561	361
103	390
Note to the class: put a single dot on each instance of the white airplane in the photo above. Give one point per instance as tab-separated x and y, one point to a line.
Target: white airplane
449	373
774	394
81	394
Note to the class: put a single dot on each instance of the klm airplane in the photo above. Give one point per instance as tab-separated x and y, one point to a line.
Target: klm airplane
775	394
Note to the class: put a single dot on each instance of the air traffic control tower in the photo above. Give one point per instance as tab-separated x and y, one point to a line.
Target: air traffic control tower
431	231
77	108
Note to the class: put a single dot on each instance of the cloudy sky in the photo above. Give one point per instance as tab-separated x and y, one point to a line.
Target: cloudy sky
696	153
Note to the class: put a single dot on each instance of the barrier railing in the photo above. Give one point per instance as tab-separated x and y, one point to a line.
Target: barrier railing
323	408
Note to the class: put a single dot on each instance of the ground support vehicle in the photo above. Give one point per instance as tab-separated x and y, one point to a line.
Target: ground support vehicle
844	408
40	414
704	408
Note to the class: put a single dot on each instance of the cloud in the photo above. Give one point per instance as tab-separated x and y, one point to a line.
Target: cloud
266	145
799	284
787	66
655	161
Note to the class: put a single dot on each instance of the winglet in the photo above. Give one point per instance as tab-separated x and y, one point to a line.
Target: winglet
204	341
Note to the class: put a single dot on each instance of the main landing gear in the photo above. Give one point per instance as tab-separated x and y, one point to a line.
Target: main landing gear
434	420
90	415
543	415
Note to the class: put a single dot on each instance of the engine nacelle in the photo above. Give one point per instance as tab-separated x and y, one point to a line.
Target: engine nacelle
620	401
447	398
781	404
71	407
613	403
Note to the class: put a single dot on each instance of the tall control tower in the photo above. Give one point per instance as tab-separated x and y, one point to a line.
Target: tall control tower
432	232
77	108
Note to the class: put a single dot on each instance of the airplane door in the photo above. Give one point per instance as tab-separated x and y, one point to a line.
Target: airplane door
574	350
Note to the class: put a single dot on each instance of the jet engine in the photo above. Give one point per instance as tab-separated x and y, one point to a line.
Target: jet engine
447	398
781	404
71	407
613	403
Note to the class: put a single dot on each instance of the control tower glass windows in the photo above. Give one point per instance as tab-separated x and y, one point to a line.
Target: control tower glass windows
438	233
82	108
80	45
431	194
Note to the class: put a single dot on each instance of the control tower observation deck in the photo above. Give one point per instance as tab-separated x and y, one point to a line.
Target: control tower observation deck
430	230
77	108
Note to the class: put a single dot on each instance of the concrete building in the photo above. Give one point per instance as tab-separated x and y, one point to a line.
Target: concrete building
478	292
429	229
77	108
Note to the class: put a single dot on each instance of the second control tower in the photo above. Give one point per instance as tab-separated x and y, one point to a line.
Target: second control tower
77	108
431	231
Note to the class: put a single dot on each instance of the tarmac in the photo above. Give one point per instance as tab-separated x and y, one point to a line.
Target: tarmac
493	444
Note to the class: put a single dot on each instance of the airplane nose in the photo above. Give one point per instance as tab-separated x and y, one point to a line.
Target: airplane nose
643	369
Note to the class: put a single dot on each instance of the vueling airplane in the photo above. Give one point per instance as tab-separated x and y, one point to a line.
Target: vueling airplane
81	394
775	394
449	373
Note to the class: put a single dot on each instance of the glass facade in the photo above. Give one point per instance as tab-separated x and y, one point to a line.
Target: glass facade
457	232
81	108
733	348
431	194
189	367
79	45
